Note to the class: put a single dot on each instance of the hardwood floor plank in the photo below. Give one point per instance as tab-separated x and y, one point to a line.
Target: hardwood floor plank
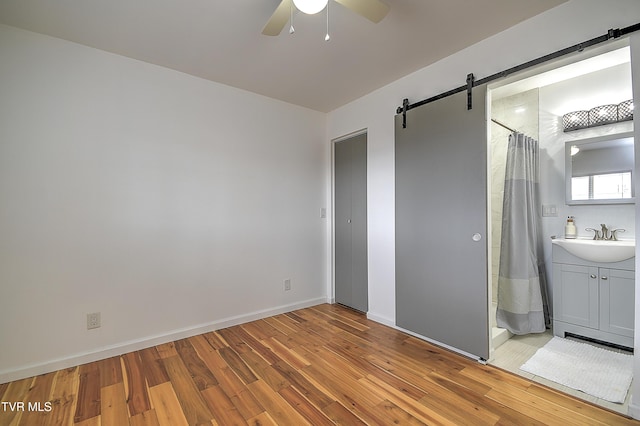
3	389
506	413
36	399
230	382
247	404
200	374
366	368
256	346
235	342
214	340
237	365
226	377
264	371
410	405
283	324
275	405
110	371
294	316
167	350
168	411
208	354
304	407
495	377
303	385
64	397
152	367
113	405
335	364
339	312
306	339
93	421
88	393
222	408
193	405
465	402
349	392
260	330
286	354
341	416
396	415
135	383
146	418
262	419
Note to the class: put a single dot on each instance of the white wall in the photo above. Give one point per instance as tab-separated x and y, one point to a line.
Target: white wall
563	26
170	204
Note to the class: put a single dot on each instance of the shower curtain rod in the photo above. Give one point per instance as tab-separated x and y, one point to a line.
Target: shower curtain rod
504	125
471	81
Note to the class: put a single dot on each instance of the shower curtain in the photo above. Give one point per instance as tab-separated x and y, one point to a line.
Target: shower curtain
522	301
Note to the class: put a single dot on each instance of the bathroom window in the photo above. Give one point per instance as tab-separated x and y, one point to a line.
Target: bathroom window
601	187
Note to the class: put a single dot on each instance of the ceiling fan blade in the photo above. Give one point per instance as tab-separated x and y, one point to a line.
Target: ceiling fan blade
278	20
373	10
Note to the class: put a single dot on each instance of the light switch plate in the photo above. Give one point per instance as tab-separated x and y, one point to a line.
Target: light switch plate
549	210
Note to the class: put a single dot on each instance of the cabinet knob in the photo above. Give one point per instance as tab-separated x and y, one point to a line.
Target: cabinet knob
604	278
592	276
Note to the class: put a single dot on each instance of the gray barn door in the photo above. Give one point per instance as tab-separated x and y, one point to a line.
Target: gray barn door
441	210
350	168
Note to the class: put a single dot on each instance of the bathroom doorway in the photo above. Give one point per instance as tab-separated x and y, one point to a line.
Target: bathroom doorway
534	103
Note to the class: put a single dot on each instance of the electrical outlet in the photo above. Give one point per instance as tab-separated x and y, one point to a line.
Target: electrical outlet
93	320
287	285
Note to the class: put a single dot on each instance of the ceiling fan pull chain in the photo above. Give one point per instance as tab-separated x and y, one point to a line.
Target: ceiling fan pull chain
291	29
327	37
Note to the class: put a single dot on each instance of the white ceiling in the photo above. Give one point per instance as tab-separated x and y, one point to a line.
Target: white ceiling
222	41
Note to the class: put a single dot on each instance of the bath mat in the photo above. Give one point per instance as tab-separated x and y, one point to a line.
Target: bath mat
592	370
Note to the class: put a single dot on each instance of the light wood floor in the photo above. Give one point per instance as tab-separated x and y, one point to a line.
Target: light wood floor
320	365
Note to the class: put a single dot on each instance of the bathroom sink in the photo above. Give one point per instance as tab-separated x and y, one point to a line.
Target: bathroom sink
599	250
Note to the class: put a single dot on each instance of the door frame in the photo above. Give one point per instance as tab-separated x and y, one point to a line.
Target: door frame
532	72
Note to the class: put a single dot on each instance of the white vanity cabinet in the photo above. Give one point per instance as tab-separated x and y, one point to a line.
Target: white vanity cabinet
592	299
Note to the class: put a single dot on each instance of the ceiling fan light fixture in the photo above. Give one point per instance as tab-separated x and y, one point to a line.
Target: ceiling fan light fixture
310	7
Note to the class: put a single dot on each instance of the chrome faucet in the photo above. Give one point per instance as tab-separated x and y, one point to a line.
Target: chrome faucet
605	234
614	237
596	233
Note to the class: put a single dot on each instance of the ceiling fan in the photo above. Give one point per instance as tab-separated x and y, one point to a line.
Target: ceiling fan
373	10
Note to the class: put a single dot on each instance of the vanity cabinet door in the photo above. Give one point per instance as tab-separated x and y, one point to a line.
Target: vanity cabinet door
617	297
575	294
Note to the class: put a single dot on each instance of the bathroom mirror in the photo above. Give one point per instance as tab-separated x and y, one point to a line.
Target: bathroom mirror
599	170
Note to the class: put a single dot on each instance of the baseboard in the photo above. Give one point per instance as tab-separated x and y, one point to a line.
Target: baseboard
135	345
633	410
382	320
